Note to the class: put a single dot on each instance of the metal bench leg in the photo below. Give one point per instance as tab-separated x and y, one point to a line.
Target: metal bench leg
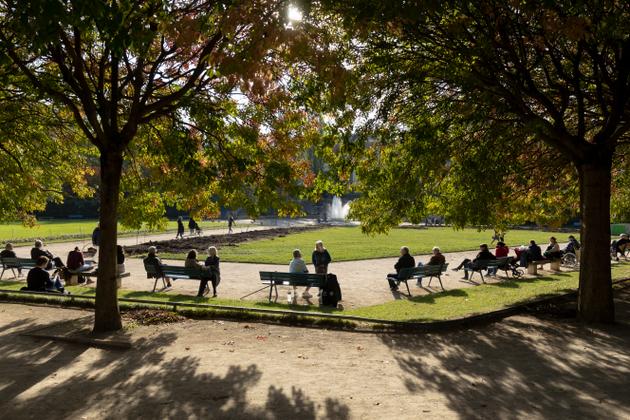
271	290
440	280
430	278
481	274
155	284
408	291
2	274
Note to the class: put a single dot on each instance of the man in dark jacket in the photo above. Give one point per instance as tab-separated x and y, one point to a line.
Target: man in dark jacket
96	235
404	261
38	279
8	252
483	255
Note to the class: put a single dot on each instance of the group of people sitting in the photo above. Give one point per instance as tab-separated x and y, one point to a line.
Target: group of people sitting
40	279
209	267
320	258
407	261
523	255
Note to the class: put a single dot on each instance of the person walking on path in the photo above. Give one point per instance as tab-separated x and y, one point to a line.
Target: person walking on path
321	259
192	226
180	228
230	223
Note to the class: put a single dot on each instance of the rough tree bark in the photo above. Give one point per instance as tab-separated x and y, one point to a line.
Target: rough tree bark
107	316
595	301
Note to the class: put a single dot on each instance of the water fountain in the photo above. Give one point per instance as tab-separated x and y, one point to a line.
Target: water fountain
337	210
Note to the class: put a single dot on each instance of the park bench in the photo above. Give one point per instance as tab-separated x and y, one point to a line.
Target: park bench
9	263
429	271
174	273
273	279
503	264
410	273
478	267
532	266
119	276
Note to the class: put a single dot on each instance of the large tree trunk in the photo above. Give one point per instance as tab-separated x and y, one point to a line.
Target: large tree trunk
595	302
107	316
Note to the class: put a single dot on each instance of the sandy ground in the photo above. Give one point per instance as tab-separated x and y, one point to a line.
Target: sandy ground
522	367
362	282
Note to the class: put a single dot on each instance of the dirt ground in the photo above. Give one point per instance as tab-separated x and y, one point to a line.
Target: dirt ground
522	367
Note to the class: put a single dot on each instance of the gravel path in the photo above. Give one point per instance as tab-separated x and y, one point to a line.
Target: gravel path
520	368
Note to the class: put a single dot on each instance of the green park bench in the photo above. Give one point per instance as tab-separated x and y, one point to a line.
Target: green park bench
174	273
478	267
9	263
273	279
503	264
418	273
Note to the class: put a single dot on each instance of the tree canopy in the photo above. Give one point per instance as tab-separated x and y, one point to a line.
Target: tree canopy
491	112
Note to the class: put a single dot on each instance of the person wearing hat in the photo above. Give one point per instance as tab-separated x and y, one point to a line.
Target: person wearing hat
620	246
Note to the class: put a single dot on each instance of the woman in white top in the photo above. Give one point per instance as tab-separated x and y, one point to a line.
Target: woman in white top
297	265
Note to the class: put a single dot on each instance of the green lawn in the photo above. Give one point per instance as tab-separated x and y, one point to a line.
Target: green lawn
438	306
60	229
348	243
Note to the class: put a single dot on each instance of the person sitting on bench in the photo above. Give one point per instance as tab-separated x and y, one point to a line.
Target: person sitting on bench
39	251
620	245
436	259
573	246
404	261
8	252
483	255
553	250
533	253
38	279
192	262
212	262
155	261
297	265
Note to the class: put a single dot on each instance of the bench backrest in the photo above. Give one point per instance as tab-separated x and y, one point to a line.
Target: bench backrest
425	270
193	273
8	262
152	270
499	262
293	279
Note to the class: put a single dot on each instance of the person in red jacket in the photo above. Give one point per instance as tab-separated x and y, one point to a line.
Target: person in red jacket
501	250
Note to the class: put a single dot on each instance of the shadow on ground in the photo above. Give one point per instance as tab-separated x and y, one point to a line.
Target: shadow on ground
38	380
524	367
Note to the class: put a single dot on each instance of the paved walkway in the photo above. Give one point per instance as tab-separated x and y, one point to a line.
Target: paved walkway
363	282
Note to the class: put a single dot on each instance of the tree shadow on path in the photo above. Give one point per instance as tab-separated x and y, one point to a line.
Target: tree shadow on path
524	366
44	379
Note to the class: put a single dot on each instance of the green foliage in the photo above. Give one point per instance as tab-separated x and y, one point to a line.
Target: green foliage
42	156
475	111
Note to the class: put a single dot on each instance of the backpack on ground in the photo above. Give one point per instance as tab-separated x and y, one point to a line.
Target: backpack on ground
331	292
